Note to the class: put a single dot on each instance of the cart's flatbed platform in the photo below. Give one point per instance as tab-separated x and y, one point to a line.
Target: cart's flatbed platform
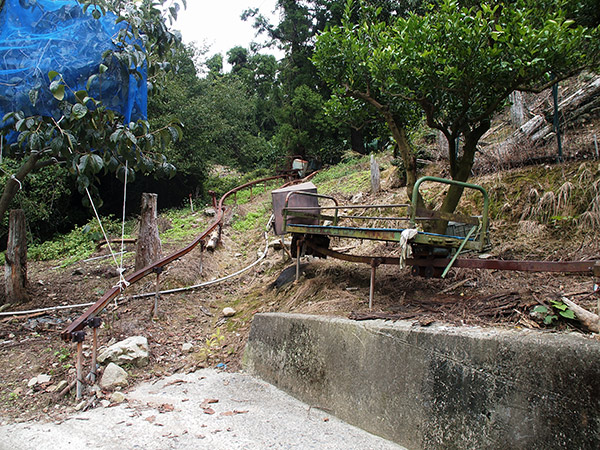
383	234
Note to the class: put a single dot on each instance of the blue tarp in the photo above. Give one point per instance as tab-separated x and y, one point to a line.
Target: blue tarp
39	36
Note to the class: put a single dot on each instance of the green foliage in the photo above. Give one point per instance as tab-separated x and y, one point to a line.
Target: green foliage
211	345
89	138
350	176
184	224
458	64
253	220
63	354
558	310
45	197
78	244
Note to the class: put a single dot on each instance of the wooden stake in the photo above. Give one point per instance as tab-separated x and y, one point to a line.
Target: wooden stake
149	248
15	268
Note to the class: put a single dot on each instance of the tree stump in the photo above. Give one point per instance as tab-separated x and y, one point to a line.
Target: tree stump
15	268
149	248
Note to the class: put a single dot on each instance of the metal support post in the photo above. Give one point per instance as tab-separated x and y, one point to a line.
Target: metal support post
79	337
374	264
213	195
94	323
298	251
158	271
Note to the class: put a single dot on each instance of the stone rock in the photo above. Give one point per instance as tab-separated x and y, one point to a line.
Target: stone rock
229	312
32	382
210	211
357	198
78	271
113	376
80	405
43	378
187	348
132	350
275	244
61	385
105	403
117	397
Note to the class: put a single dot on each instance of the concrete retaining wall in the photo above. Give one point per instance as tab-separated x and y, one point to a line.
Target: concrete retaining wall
437	387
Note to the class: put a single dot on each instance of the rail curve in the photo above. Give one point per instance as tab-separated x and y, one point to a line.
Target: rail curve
82	321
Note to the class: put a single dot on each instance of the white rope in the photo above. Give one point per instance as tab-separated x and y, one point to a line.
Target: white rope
101	227
149	294
123	283
53	308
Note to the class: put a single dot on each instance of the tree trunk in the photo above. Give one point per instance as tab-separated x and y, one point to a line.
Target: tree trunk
149	248
13	184
461	172
357	140
399	134
15	268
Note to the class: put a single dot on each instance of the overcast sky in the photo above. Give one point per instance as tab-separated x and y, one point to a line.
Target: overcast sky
218	24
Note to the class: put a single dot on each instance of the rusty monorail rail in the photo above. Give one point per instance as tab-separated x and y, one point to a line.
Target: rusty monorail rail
85	319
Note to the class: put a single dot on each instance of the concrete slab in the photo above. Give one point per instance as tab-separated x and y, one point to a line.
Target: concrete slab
437	387
172	414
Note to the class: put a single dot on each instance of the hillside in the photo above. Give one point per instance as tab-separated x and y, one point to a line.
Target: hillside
546	211
31	345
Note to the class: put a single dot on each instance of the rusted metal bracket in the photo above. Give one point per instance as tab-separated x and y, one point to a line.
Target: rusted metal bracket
94	323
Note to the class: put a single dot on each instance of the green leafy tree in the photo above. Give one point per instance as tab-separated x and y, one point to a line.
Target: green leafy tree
458	63
89	138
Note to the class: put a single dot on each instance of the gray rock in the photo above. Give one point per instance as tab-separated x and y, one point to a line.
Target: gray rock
187	348
132	350
113	377
80	405
357	198
210	211
43	378
117	397
229	312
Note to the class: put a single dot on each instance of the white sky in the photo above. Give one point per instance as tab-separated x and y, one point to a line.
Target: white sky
217	23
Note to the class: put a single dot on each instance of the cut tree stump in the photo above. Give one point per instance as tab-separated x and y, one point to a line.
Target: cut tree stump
149	248
15	268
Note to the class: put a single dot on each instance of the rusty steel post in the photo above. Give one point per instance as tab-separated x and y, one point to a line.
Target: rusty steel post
298	249
374	264
94	323
156	295
213	195
79	337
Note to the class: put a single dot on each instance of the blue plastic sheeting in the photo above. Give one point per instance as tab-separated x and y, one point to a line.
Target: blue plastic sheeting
38	36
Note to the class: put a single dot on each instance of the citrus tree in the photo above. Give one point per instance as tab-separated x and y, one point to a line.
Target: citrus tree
458	62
